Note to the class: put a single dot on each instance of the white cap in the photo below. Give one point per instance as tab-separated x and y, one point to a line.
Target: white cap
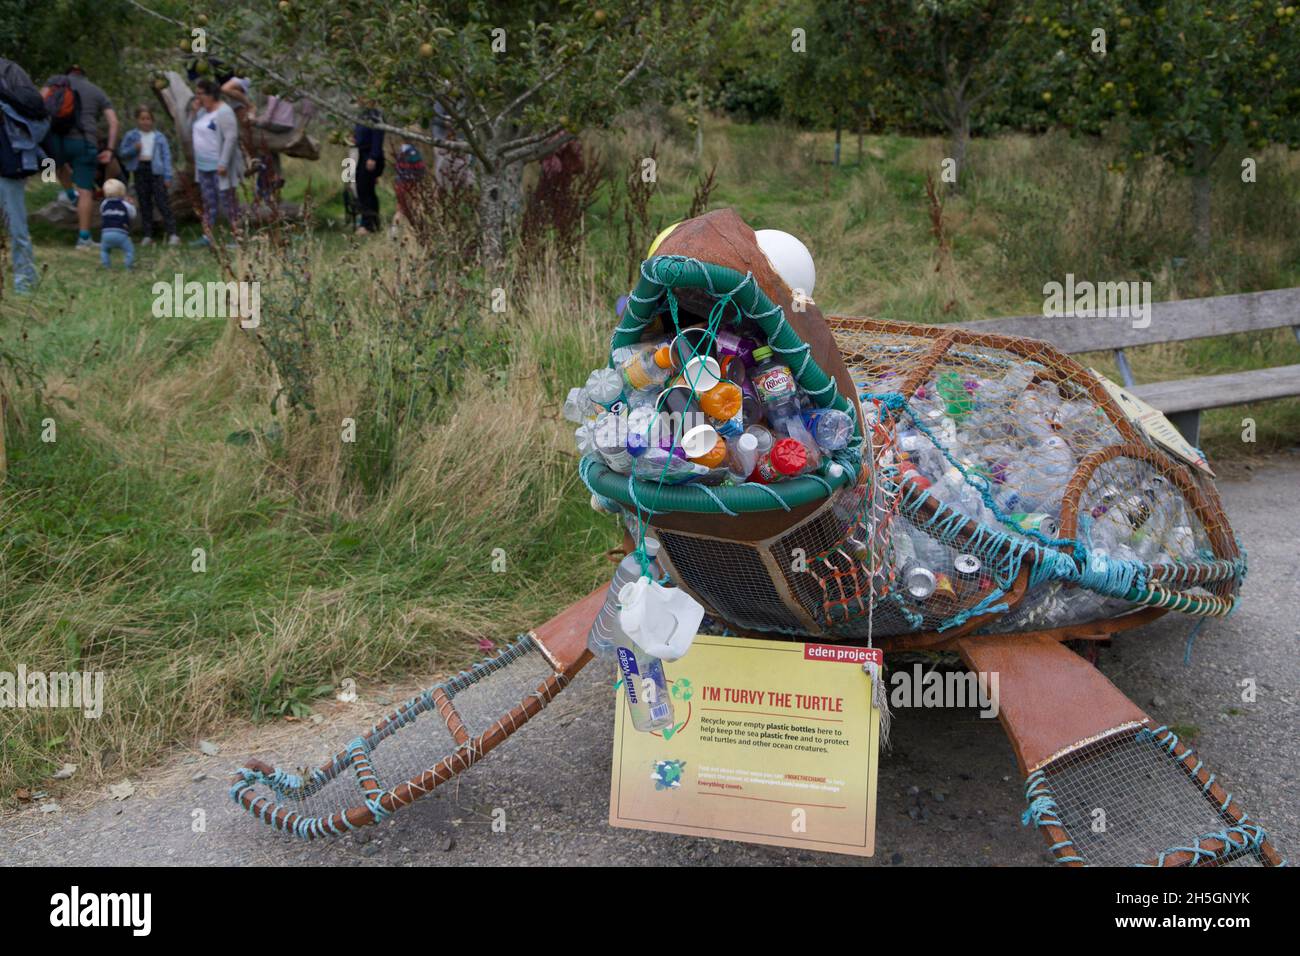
702	373
748	441
699	441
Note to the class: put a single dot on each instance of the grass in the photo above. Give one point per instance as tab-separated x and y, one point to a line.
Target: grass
326	561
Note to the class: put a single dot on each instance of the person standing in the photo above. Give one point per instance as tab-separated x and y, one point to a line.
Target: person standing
23	126
148	156
74	139
217	157
370	166
116	213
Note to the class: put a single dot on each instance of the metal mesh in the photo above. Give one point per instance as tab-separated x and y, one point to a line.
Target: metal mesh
731	579
1125	800
411	741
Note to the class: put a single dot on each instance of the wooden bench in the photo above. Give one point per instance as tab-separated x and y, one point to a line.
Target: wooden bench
1183	400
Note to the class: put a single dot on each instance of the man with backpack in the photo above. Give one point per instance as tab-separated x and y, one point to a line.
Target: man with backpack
23	126
75	106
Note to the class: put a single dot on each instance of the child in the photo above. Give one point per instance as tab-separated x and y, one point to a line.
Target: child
115	215
410	180
146	153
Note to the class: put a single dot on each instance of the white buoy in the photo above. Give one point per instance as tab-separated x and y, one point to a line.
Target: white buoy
790	259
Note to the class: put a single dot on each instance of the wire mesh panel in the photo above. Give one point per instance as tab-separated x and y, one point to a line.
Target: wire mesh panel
421	744
1139	797
731	578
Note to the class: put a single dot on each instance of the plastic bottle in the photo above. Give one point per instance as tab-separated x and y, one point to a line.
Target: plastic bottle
1032	413
1038	477
733	344
787	459
648	368
611	442
957	402
642	429
916	577
658	464
578	406
649	700
763	437
646	396
830	427
751	405
585	437
775	384
742	457
723	404
603	636
605	386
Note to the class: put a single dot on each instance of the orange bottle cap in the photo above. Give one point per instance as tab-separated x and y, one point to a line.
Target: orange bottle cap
722	401
663	357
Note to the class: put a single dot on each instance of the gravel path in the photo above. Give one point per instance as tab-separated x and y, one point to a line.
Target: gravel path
950	793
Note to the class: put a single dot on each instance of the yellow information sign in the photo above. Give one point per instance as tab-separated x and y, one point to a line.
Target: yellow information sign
1152	421
772	742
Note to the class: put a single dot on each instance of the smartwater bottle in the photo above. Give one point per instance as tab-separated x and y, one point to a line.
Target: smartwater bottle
649	701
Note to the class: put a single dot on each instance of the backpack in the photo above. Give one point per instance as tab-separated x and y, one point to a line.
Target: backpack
17	89
62	103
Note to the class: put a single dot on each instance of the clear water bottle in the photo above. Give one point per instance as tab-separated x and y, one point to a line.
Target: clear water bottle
831	427
605	629
584	437
742	456
605	386
578	406
646	690
610	434
649	699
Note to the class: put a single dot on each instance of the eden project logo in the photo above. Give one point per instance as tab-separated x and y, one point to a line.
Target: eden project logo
208	300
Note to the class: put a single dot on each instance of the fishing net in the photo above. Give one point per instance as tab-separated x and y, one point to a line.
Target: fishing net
997	487
1139	796
423	743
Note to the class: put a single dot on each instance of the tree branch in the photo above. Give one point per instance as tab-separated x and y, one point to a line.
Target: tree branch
453	145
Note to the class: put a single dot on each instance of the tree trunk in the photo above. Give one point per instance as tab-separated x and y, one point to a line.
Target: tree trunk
837	140
1201	162
500	202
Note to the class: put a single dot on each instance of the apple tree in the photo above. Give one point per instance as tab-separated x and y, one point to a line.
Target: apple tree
831	83
512	82
949	56
1188	80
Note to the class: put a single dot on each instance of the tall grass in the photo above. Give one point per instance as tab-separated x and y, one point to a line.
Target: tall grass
329	559
316	570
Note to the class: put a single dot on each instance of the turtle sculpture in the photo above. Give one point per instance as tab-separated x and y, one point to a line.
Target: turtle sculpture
975	494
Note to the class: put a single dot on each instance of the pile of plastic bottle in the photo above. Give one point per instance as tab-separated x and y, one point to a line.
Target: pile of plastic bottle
712	408
1012	444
